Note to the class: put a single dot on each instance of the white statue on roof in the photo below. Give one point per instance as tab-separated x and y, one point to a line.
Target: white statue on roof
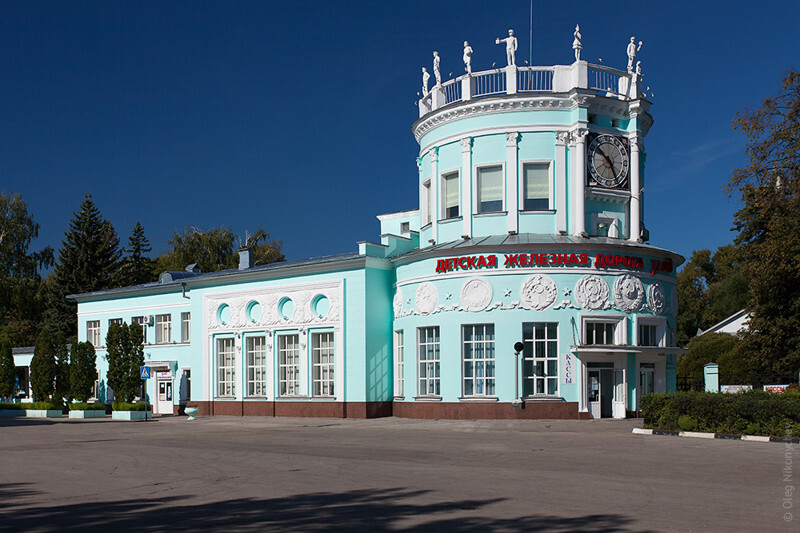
436	71
425	77
576	43
632	51
467	57
511	47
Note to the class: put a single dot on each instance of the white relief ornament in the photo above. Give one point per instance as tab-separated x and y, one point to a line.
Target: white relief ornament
628	293
539	292
426	299
398	303
476	294
656	298
591	291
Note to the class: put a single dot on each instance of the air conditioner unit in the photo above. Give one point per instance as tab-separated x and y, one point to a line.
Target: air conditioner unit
151	320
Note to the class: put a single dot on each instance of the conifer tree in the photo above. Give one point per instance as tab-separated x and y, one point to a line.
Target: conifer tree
87	262
43	367
124	355
82	371
8	373
61	353
136	268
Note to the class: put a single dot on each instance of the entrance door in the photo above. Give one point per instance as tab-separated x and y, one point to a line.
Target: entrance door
620	394
165	397
606	393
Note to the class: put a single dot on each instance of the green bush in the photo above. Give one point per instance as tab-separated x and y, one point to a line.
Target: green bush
83	406
751	413
125	406
11	406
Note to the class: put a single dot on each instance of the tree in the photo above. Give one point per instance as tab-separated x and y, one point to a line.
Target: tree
8	372
43	368
82	371
711	287
20	303
124	355
61	354
769	227
216	249
87	262
136	268
720	348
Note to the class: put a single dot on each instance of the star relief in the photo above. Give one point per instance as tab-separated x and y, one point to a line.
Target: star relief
447	296
508	293
408	301
567	291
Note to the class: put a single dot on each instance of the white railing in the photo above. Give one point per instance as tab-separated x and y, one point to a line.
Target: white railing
535	79
489	82
608	79
452	91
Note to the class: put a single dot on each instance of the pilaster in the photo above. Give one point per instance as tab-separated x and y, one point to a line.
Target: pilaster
512	181
562	139
434	203
466	187
636	191
579	182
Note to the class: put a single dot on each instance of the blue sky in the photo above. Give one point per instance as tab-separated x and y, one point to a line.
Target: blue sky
297	115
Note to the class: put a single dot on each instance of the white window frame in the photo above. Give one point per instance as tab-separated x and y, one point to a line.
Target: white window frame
226	367
399	364
612	222
323	364
661	328
186	326
427	202
477	188
620	330
288	364
93	332
115	321
256	365
550	184
443	177
430	383
164	328
543	378
484	385
142	321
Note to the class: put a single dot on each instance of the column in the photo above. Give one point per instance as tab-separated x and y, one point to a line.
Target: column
711	377
466	88
562	138
636	190
434	201
466	187
579	183
511	79
512	182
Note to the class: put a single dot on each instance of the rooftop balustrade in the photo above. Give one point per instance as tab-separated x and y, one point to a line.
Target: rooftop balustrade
606	81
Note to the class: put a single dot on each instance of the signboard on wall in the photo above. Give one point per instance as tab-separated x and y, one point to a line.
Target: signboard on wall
164	375
568	370
776	388
735	388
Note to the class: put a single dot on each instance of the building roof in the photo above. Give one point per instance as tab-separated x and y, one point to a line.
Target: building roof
732	325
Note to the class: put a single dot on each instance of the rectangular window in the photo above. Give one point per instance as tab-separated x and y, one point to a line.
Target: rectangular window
478	360
451	196
93	332
536	178
163	329
428	349
186	320
322	359
601	333
142	321
289	365
427	202
96	388
648	335
398	364
256	366
540	358
114	321
226	367
647	377
490	189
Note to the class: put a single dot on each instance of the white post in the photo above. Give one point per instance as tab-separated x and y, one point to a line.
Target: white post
512	181
579	183
437	97
466	187
466	88
511	79
562	138
636	181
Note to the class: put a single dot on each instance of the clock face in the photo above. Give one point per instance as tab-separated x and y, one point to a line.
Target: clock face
608	162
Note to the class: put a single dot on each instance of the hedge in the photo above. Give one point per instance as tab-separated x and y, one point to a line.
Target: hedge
41	406
77	406
125	406
750	413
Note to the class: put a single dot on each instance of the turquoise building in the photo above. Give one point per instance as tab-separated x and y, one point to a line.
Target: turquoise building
523	286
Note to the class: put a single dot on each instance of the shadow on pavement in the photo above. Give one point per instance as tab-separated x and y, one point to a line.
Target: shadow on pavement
359	510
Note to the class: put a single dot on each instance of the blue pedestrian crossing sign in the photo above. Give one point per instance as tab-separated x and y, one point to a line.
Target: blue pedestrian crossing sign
145	372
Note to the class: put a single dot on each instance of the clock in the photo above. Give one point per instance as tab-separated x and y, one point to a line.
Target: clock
608	162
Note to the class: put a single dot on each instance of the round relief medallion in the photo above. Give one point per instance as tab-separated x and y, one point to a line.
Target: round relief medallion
656	298
628	293
397	303
476	294
592	292
539	292
426	298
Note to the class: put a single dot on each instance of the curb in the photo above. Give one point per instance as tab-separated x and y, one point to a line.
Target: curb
699	435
